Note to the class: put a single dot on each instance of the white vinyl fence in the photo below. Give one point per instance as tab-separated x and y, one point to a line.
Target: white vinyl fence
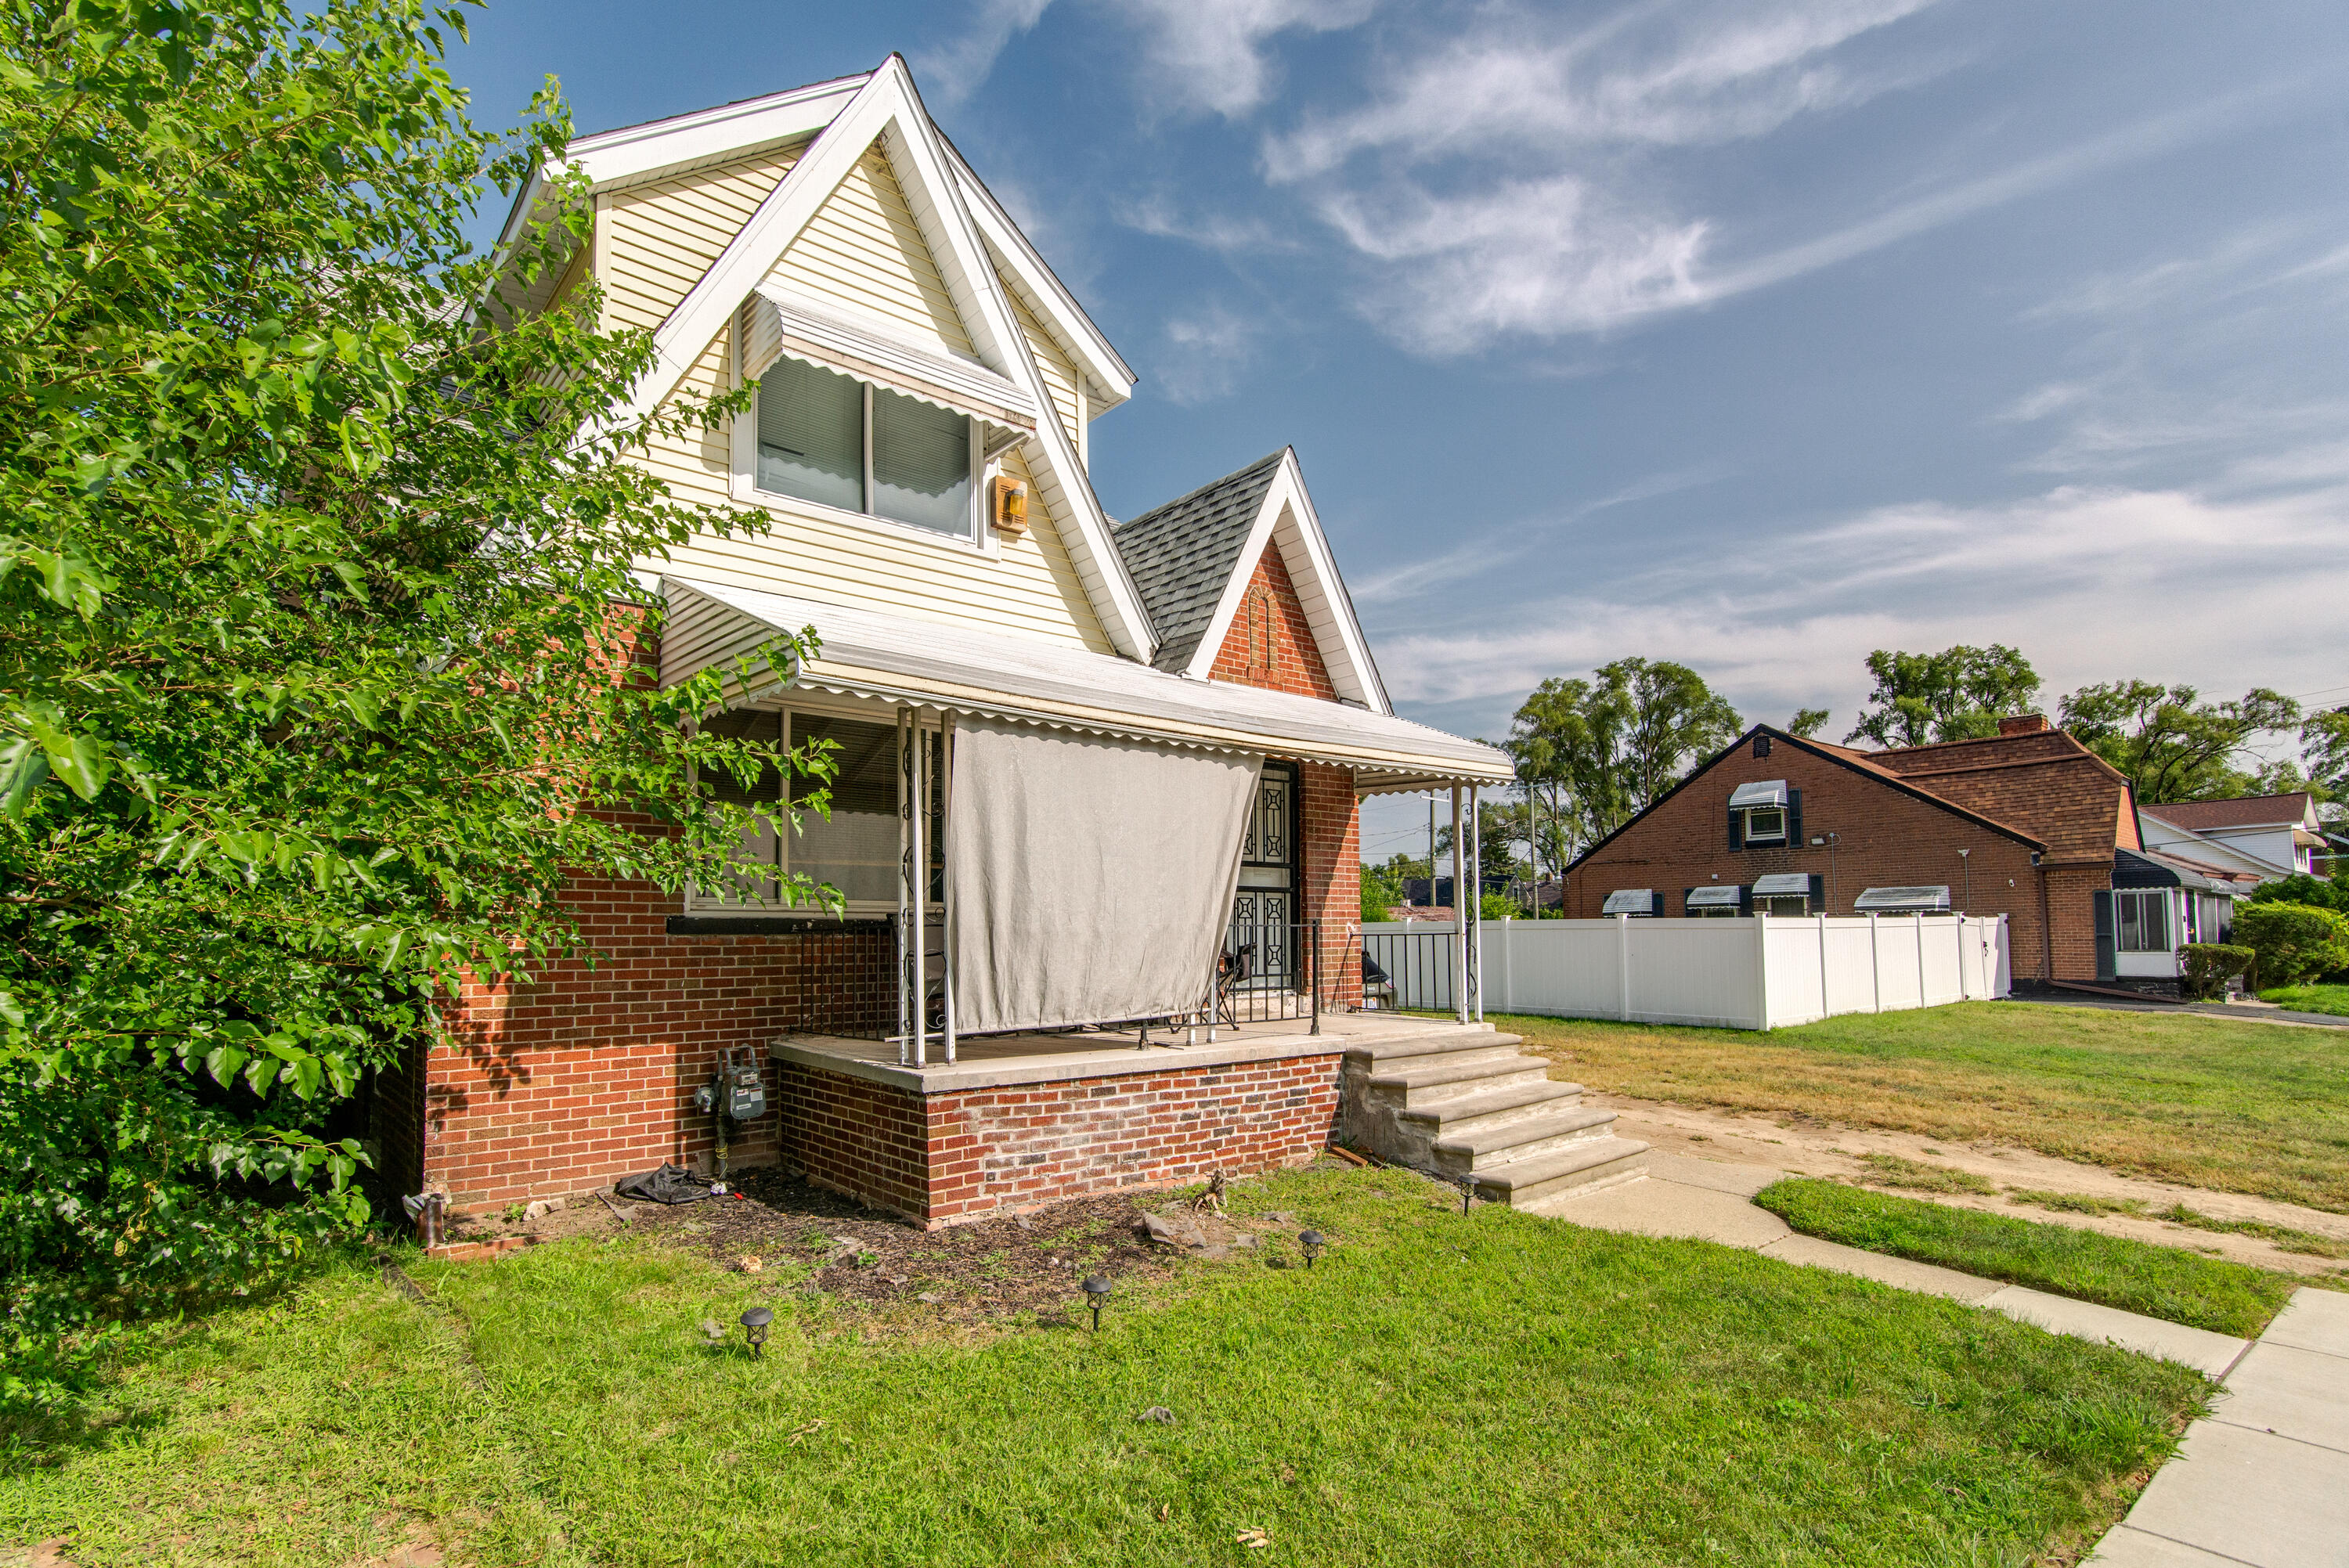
1758	973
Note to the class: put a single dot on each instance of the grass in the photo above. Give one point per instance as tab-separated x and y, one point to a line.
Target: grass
2310	998
2286	1239
1892	1170
1491	1387
2137	1276
2200	1101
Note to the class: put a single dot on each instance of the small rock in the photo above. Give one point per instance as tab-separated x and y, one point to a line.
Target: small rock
1283	1219
535	1211
1158	1415
749	1264
554	1205
711	1332
929	1296
895	1279
1244	1240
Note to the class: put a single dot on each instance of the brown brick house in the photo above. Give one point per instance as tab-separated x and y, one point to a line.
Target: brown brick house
2025	824
1079	763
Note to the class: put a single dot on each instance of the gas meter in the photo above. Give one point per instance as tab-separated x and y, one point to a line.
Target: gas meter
735	1091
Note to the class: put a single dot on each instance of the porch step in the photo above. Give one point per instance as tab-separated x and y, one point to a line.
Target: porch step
1467	1111
1490	1148
1569	1171
1394	1048
1429	1077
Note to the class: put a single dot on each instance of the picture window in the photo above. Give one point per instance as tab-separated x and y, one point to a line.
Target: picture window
830	439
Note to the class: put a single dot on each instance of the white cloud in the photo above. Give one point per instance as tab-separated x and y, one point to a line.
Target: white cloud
2091	584
955	68
1206	352
1210	56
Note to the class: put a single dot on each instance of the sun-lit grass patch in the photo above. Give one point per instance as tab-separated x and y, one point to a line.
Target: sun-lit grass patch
2310	998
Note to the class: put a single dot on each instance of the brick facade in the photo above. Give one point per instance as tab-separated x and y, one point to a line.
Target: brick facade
1269	642
960	1155
1880	836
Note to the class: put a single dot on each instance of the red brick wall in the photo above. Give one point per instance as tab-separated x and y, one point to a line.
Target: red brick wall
947	1157
1329	824
1271	613
588	1073
1884	838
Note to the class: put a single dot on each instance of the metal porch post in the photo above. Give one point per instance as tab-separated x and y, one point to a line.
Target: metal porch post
1459	916
920	870
905	859
946	815
1477	900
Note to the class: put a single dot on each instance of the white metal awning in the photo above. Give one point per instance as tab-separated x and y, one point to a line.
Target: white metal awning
1716	896
1768	792
1782	884
1629	900
778	322
946	666
1904	899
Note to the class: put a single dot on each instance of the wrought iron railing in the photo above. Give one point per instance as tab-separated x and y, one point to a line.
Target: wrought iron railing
1411	971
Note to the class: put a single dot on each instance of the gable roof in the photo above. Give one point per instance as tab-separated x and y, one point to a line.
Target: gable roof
2043	781
1183	553
1860	762
2294	810
1200	550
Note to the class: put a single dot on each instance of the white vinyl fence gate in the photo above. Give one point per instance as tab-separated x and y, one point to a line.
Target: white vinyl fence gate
1758	973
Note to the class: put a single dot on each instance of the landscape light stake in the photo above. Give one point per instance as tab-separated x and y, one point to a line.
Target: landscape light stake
1468	1190
754	1325
1311	1240
1096	1288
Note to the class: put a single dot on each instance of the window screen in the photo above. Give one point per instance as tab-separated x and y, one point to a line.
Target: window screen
753	881
2144	922
856	850
812	435
921	463
1766	824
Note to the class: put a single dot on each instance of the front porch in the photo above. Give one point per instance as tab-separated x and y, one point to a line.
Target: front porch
1021	1119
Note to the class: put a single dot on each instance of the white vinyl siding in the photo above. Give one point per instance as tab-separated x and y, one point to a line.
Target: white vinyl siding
659	238
862	250
1060	373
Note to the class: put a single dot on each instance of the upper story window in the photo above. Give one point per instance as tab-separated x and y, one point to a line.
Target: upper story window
1761	813
828	438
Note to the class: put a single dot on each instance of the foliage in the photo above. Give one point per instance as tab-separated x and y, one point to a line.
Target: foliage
1499	906
1958	693
2334	999
1725	1409
1606	748
2209	965
2296	943
2324	892
2167	1283
314	683
2174	746
1381	890
2325	752
1807	722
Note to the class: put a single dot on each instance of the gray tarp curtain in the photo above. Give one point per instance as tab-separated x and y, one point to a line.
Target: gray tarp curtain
1092	877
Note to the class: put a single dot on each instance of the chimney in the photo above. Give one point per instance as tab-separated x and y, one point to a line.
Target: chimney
2023	724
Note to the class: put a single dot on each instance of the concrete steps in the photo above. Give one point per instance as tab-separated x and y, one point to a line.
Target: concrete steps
1464	1103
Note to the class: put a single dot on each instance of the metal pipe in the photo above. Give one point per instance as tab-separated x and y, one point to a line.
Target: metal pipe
946	815
1459	914
1313	971
921	869
1475	948
905	853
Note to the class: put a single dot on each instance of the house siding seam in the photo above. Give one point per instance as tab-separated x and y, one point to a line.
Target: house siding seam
947	1158
1886	837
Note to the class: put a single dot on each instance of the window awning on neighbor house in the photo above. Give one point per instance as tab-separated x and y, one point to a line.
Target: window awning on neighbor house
1717	895
1902	900
1782	884
1629	900
948	667
1768	792
777	322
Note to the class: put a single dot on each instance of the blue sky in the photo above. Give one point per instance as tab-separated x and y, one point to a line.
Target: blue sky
1753	335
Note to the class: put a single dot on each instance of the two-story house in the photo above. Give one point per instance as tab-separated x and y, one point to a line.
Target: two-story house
1090	775
2267	836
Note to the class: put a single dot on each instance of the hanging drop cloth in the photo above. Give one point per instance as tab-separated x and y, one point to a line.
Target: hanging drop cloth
1092	877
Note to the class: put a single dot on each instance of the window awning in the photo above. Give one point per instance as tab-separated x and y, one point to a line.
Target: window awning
1715	896
1629	900
946	666
1782	884
1905	899
1769	792
777	321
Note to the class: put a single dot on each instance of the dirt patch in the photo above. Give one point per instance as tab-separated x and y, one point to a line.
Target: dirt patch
1806	1146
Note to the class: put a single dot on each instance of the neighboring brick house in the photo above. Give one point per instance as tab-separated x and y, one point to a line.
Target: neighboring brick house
1062	744
2026	824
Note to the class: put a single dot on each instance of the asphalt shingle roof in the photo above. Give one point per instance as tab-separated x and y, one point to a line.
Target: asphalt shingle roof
1182	554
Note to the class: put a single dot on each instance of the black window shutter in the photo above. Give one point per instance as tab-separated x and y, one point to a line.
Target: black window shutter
1737	829
1745	899
1818	893
1794	840
1761	745
2104	967
1685	910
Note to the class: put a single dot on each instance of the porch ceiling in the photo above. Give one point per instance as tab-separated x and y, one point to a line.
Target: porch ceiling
946	666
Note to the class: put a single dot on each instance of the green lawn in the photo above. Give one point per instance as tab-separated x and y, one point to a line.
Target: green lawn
2310	998
2185	1097
1490	1388
2135	1276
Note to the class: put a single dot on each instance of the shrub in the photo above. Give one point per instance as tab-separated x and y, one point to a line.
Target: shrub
2211	965
2324	892
2295	942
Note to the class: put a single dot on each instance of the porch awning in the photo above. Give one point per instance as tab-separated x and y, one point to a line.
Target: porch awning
779	323
946	666
1769	792
1717	895
1782	884
1902	900
1629	900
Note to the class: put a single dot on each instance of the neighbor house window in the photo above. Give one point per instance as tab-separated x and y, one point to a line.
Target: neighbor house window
1783	895
828	438
1761	813
2141	919
1765	825
854	849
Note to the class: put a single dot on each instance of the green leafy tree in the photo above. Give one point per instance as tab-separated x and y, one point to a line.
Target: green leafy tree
1608	748
2325	754
1958	693
2174	746
1807	722
2324	892
317	676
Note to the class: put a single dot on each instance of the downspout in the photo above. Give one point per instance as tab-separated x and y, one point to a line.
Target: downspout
2046	923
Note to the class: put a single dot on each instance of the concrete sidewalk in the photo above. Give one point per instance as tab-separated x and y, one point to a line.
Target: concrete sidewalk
1709	1201
2264	1477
